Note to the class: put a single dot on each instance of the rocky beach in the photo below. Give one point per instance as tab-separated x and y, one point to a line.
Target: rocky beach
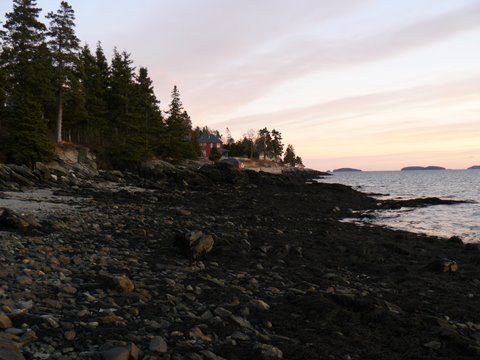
187	262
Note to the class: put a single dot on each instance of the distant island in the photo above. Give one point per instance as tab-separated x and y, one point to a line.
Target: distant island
346	170
409	168
474	167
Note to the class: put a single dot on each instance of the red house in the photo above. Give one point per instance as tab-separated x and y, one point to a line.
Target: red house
208	142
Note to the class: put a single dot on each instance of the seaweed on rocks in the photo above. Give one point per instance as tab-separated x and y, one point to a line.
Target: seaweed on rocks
284	279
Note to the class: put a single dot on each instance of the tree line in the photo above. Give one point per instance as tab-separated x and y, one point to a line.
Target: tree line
54	90
264	144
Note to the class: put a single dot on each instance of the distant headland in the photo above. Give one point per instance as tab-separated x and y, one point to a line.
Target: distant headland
409	168
346	170
474	167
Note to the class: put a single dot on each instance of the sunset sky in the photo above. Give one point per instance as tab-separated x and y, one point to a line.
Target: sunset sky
372	84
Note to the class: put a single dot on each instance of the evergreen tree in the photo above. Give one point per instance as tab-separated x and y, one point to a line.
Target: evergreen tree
26	82
64	46
76	119
275	146
149	113
179	130
298	161
92	128
126	145
263	142
121	90
289	157
3	87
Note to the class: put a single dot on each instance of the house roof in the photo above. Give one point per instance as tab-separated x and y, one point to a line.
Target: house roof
209	139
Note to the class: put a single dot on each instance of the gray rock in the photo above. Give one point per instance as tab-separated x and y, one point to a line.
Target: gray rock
158	344
117	353
260	305
222	312
269	352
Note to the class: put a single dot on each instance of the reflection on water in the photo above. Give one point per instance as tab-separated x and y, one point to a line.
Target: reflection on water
462	220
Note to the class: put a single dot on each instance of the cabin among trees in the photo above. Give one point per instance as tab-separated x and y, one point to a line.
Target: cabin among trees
208	142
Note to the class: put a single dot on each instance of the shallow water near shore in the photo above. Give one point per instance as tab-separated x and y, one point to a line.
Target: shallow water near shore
461	220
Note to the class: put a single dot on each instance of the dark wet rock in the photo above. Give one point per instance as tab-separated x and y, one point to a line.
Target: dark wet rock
420	202
5	321
158	345
442	266
285	278
118	353
9	350
11	220
194	244
471	247
121	283
269	352
434	345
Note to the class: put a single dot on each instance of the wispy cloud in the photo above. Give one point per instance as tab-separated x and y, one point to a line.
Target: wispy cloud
355	107
256	72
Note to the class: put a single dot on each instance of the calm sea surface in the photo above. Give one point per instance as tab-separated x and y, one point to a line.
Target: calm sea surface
462	220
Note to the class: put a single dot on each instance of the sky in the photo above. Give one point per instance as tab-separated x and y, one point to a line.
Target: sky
370	84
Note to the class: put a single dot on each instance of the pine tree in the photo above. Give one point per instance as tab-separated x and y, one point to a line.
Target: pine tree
127	147
92	128
275	146
3	89
289	157
149	113
179	129
120	91
27	81
263	142
298	161
64	46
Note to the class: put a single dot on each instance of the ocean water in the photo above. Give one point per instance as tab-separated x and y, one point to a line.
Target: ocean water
461	220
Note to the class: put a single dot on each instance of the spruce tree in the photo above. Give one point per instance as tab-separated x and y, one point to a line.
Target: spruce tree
64	46
289	157
90	126
263	142
128	142
149	113
26	82
3	87
121	90
275	145
179	129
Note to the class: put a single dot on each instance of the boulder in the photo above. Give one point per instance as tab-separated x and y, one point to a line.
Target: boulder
442	266
11	220
42	171
158	345
194	244
9	350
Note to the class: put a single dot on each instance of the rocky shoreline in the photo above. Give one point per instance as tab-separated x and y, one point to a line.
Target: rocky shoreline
213	263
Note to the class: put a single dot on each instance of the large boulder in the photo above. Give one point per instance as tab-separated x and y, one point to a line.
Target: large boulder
10	220
194	244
